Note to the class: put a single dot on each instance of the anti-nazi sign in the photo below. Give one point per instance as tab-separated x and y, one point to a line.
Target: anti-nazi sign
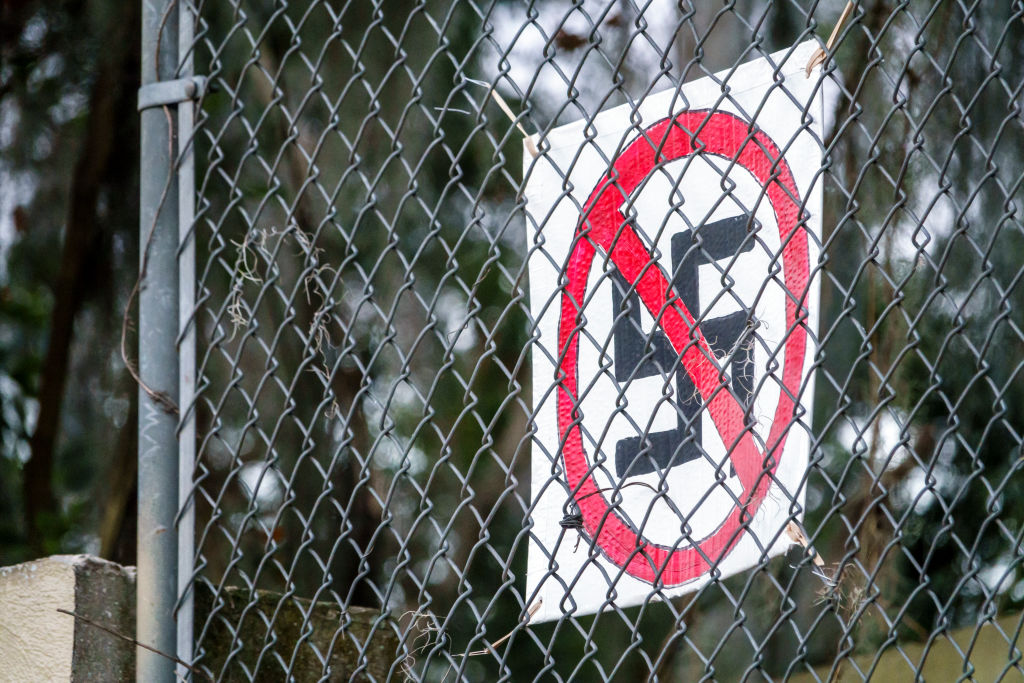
676	308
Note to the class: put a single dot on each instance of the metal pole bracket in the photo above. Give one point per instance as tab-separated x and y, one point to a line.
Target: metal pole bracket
171	92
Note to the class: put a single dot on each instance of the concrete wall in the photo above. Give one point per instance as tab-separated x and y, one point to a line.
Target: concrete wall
302	633
38	643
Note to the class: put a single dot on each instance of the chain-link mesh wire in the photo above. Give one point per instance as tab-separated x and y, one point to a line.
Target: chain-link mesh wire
364	412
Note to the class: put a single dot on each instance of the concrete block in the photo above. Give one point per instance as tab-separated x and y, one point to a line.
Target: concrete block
38	643
272	634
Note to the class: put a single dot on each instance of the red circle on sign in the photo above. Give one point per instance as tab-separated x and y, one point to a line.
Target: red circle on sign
603	225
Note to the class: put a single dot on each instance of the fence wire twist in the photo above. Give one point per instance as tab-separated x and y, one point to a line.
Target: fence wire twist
363	408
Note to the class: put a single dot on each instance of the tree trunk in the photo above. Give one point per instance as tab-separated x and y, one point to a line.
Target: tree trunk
80	232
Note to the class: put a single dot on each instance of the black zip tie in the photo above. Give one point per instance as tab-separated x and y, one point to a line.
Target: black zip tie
574	520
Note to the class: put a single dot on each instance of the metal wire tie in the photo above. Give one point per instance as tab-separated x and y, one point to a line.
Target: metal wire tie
171	92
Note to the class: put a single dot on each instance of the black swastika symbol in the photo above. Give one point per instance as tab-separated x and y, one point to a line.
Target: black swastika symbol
639	355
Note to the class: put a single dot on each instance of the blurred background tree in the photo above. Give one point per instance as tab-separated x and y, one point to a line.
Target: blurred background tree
68	193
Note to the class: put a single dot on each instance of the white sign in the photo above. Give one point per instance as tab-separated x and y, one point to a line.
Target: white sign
674	250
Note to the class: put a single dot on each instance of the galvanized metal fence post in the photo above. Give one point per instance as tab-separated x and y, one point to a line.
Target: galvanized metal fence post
186	343
158	360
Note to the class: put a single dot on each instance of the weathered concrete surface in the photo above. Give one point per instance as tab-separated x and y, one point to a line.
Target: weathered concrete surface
308	632
38	643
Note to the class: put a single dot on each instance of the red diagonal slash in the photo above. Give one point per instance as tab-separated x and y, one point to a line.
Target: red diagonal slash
602	225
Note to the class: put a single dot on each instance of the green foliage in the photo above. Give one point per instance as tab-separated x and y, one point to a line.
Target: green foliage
51	56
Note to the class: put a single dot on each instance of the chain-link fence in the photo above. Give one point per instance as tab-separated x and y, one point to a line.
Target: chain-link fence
364	409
